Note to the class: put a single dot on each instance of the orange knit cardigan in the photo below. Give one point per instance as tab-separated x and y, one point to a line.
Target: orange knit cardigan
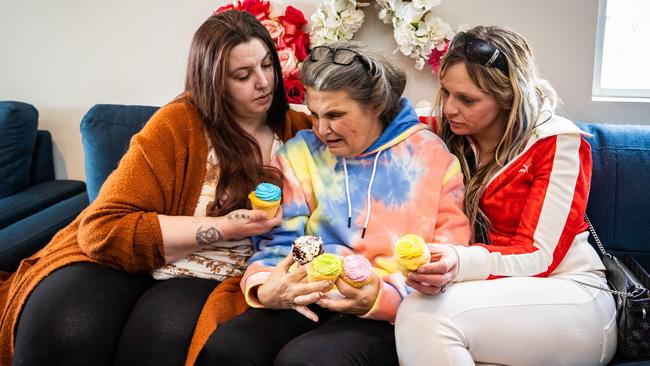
120	229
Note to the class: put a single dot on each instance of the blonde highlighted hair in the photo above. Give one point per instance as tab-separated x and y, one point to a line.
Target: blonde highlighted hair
522	90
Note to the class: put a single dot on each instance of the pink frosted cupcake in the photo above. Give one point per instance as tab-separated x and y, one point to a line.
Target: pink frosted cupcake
357	270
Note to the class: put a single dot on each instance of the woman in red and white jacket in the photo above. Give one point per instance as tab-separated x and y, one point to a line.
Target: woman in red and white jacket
510	298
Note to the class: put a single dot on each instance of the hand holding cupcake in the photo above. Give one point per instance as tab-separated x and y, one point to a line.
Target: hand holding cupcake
266	197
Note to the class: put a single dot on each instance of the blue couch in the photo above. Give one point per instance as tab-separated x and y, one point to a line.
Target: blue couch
618	202
33	204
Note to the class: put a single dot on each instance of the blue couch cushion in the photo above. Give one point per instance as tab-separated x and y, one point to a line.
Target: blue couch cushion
24	238
620	197
18	124
106	131
36	198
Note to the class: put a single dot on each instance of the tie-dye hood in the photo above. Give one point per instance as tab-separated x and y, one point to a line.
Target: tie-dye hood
397	130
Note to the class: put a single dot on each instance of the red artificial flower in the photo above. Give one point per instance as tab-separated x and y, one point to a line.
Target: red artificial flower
300	45
436	55
294	89
292	21
293	16
259	8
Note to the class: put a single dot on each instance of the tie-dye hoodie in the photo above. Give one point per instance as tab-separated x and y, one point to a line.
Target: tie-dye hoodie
405	183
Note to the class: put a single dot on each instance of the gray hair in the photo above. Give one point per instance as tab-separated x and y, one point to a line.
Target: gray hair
378	84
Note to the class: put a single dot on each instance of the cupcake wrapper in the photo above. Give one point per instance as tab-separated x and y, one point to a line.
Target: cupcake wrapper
270	207
415	264
270	211
356	284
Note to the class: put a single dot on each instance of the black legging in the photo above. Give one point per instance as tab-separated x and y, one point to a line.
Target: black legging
284	337
88	314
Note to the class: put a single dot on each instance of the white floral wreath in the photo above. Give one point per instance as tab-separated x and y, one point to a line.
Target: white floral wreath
419	34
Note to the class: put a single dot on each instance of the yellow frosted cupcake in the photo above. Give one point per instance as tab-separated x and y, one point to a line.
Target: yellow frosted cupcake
325	267
266	197
410	253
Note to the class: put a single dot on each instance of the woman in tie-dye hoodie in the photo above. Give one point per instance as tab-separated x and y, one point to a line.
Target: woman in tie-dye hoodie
366	175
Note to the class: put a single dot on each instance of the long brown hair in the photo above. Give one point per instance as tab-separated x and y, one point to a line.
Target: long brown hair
522	90
240	161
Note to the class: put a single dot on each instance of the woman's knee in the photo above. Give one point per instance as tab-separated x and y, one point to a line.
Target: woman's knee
249	339
422	317
77	310
231	344
165	315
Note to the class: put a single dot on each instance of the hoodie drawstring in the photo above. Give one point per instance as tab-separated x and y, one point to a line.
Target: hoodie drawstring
347	192
369	202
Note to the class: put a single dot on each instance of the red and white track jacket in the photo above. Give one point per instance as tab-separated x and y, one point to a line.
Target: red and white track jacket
536	205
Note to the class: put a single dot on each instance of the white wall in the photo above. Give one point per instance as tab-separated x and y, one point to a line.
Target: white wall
65	56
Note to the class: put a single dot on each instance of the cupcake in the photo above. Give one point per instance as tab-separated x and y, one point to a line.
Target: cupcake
305	248
357	270
266	197
410	253
325	267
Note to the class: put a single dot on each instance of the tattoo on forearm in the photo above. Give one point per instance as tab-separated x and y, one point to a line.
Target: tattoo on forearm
208	236
237	216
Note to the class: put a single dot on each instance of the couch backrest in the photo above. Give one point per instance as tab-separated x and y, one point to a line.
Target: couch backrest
619	200
18	124
106	131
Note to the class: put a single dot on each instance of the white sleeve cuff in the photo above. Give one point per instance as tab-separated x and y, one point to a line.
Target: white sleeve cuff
473	263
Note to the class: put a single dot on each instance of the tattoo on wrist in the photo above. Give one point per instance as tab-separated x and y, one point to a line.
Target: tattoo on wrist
208	236
237	216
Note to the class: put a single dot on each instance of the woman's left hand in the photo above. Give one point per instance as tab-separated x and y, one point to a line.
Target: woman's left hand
432	278
357	301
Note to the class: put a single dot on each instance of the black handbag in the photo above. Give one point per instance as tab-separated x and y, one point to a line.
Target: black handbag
629	284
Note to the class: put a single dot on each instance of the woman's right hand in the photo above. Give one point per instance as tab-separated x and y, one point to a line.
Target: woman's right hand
289	290
433	277
244	223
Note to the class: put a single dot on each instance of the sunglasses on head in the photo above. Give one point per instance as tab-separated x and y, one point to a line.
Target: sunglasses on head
339	56
480	52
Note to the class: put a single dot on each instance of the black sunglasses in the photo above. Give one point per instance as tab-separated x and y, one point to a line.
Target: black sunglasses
480	52
339	56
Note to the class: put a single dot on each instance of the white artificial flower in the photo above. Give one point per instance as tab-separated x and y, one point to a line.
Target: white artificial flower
409	13
426	4
415	29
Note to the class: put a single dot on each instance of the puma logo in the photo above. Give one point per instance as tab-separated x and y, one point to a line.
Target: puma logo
524	169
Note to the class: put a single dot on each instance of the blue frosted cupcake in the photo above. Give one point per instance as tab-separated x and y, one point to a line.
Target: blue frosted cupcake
266	197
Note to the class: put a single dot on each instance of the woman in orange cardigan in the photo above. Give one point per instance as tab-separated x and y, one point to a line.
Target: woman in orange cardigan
165	241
